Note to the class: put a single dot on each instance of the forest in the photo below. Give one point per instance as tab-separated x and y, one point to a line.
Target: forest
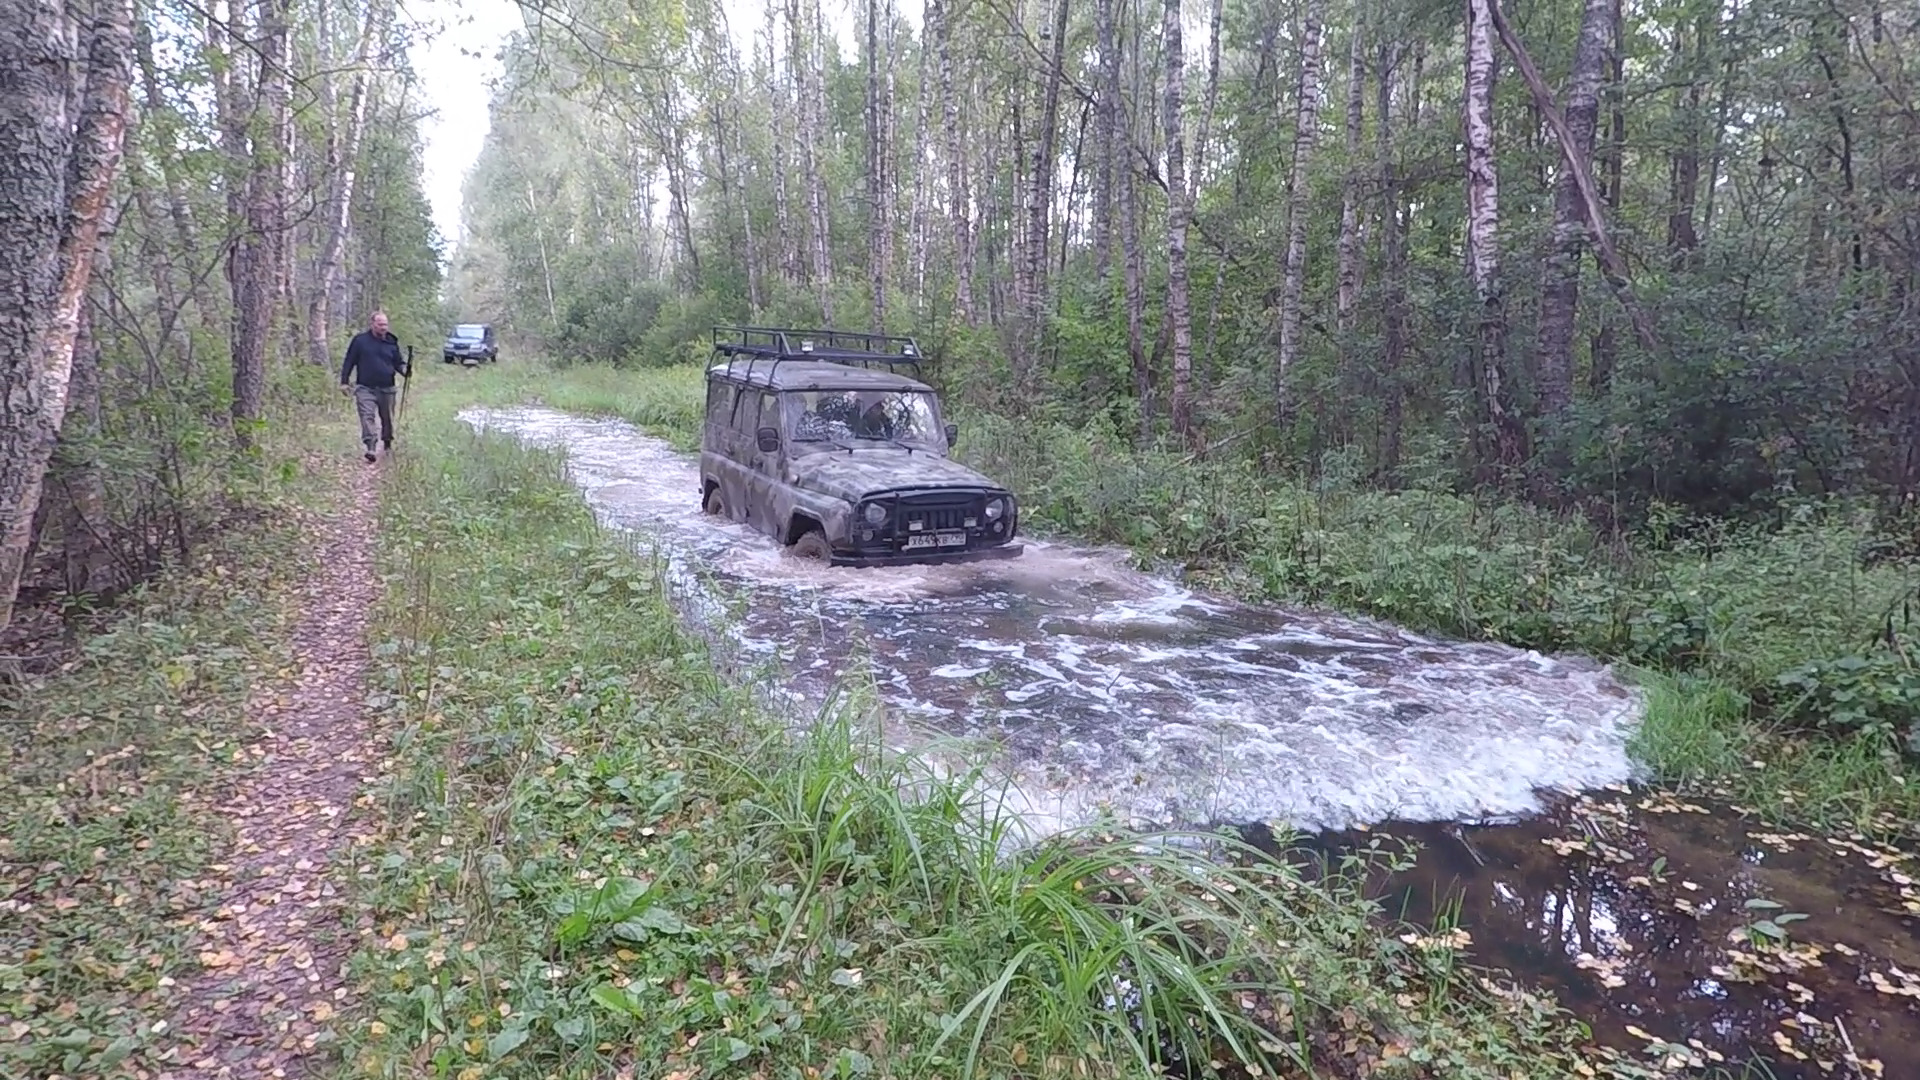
1577	326
1575	332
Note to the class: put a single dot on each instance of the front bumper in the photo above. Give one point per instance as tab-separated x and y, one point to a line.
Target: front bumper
927	556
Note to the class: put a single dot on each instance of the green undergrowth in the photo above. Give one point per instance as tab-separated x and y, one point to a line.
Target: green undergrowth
1793	645
606	860
115	764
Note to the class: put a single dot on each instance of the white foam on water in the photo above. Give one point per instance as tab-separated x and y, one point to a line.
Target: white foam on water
1108	691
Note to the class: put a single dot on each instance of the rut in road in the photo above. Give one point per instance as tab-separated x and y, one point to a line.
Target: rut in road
275	943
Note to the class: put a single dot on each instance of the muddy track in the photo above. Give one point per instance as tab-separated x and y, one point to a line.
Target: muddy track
273	947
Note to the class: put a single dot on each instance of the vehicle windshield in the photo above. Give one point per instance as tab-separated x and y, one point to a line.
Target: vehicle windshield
469	333
906	416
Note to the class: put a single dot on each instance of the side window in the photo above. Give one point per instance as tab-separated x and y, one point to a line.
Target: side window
718	400
769	412
746	409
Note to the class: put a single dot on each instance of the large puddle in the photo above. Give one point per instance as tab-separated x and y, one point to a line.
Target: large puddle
1687	937
1105	690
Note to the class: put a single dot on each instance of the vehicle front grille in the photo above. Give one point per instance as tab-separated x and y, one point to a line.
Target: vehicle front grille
935	518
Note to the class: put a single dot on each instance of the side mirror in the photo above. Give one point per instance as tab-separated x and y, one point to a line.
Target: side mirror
769	440
953	434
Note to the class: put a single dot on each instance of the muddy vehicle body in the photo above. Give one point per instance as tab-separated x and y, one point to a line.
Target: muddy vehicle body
817	438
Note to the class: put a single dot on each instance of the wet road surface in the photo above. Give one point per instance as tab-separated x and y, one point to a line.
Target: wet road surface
1102	689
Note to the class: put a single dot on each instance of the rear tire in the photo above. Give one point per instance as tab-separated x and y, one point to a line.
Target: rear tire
813	546
713	505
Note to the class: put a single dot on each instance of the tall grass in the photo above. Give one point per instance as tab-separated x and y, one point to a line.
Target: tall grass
605	856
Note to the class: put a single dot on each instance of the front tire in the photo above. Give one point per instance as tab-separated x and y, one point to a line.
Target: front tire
813	547
713	505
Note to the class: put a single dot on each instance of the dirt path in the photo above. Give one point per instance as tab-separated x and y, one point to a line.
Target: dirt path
272	950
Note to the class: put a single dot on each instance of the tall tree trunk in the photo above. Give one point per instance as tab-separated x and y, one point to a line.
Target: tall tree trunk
1393	254
1108	157
55	176
1483	238
1606	345
1683	169
1306	133
806	39
877	237
1347	281
956	169
1179	208
85	556
1560	277
1612	266
918	237
342	171
1040	197
777	105
1135	274
255	278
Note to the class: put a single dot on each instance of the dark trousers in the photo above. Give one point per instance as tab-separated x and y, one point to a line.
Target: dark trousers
375	403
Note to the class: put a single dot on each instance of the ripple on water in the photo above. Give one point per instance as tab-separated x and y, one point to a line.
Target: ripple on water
1105	689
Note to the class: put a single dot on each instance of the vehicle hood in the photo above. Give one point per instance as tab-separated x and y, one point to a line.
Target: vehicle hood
853	476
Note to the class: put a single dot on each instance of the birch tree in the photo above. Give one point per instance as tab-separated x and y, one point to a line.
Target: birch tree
1306	132
1483	236
63	142
1179	209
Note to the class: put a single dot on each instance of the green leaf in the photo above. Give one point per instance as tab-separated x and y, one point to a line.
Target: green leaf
1789	917
737	1049
662	921
570	1029
1758	904
506	1042
611	997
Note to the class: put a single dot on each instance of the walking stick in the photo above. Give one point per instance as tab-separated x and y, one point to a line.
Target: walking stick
405	381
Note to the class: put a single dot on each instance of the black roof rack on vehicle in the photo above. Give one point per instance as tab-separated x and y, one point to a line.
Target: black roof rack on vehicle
779	345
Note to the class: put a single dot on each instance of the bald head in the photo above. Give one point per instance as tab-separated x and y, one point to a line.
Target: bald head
378	323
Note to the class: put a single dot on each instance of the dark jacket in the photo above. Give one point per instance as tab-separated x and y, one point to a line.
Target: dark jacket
374	361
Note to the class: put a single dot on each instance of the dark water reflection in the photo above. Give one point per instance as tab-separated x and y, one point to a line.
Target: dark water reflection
1669	955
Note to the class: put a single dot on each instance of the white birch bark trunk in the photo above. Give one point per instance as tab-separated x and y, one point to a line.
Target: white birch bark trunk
1306	135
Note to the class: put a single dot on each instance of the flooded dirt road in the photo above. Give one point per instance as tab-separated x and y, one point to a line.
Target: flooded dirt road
1103	689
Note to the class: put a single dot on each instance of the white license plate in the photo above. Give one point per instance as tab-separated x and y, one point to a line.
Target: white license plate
920	540
953	539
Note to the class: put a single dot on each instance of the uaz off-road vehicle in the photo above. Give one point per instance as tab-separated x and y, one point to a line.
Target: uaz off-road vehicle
814	438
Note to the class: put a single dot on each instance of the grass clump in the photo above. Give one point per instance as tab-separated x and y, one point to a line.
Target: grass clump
606	857
116	764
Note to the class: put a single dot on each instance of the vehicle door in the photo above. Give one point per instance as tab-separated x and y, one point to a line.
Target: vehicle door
763	469
738	452
718	446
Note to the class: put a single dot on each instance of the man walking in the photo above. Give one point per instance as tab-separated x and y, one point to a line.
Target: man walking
373	360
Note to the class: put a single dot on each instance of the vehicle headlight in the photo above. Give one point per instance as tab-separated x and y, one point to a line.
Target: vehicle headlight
996	507
875	513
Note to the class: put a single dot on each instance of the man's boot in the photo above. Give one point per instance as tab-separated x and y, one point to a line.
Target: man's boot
369	453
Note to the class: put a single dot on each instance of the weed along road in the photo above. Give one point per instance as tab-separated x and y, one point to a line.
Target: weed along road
1098	690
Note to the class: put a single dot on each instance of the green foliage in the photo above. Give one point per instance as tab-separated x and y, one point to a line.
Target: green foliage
602	853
